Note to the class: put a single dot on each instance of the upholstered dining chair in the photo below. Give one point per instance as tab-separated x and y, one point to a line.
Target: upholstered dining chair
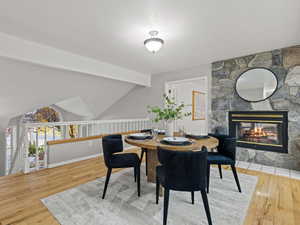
182	171
225	155
144	150
113	144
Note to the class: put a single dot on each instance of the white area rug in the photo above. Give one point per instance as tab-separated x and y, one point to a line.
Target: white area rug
83	205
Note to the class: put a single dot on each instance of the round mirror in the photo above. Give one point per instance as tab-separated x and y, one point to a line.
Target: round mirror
255	85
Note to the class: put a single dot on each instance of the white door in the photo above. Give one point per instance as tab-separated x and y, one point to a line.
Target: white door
182	92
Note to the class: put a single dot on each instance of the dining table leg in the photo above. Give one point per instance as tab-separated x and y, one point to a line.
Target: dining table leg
152	163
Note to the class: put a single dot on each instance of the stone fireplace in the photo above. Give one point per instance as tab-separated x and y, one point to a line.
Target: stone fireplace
285	64
260	130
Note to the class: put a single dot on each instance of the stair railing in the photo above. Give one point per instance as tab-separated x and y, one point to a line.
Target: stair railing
33	151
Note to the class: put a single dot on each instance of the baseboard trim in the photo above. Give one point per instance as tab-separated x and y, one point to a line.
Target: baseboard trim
52	165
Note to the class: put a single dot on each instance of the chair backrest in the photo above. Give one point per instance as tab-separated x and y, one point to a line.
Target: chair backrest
227	145
184	170
111	144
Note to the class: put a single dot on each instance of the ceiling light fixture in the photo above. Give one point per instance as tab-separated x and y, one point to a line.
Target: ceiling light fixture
154	43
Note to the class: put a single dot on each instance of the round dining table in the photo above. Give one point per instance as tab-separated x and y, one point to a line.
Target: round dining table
151	148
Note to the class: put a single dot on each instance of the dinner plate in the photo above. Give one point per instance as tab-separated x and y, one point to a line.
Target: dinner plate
197	137
140	136
175	139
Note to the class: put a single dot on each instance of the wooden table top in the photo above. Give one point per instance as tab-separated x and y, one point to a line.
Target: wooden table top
152	144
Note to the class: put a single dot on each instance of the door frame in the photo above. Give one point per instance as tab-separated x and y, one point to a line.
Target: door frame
205	78
169	83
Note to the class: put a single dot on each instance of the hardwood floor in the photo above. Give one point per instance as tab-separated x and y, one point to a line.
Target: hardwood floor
276	200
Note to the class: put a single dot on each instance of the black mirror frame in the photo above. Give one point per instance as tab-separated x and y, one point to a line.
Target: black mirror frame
253	68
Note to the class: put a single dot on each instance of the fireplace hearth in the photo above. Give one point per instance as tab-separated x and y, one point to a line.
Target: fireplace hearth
261	130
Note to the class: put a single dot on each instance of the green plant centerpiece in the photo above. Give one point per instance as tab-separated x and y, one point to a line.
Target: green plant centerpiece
170	112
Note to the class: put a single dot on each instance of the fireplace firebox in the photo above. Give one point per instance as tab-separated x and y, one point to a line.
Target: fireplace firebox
261	130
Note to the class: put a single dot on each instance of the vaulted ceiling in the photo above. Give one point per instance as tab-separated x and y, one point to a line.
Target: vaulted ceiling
195	31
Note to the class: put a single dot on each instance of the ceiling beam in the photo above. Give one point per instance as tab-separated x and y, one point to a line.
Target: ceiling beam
15	48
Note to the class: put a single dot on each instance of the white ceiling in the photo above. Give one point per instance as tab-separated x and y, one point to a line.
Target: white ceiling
195	31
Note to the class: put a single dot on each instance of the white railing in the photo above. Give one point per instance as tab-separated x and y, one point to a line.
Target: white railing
11	148
31	152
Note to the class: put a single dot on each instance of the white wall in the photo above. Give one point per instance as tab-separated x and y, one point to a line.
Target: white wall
25	87
59	154
134	104
76	106
68	116
69	152
182	92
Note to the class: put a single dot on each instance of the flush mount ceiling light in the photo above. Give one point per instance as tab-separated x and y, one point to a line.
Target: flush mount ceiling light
154	43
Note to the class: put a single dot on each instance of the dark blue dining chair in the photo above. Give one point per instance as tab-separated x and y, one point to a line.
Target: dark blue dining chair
182	171
225	155
113	144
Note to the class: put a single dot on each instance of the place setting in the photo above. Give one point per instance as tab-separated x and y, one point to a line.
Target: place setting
160	137
182	138
140	136
177	141
197	136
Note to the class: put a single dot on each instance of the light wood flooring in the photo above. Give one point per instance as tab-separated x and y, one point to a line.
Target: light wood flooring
276	200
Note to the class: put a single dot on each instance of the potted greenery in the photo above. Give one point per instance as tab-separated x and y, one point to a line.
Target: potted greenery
168	113
32	151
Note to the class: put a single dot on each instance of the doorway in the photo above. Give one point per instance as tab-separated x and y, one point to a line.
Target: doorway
184	91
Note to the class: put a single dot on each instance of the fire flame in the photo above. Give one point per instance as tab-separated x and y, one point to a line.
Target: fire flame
259	132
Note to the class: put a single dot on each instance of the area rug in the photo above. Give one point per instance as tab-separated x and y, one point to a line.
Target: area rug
83	205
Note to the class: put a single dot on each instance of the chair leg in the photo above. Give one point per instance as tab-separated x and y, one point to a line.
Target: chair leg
236	177
144	151
106	182
220	171
142	155
138	172
166	205
207	178
146	156
193	197
134	170
206	206
157	190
